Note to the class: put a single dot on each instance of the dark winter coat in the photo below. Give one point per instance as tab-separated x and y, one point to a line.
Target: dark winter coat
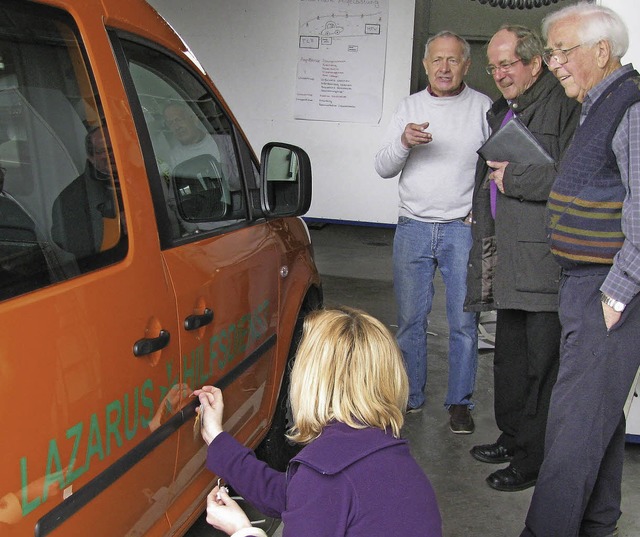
510	264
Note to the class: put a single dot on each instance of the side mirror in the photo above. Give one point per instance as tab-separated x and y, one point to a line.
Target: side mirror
285	179
200	189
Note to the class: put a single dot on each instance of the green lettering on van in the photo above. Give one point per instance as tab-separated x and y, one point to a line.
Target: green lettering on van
259	323
241	336
27	505
147	402
112	425
130	433
213	352
72	475
188	368
53	473
37	491
224	347
94	444
231	341
202	373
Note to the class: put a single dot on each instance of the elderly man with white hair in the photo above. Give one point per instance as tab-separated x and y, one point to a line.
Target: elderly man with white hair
594	234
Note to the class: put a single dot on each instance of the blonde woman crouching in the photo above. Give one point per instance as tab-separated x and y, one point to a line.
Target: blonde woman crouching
355	476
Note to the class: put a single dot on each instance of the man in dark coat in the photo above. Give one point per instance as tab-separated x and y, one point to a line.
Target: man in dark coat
510	266
86	215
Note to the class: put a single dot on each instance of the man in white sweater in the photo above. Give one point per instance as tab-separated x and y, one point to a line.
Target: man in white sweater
432	142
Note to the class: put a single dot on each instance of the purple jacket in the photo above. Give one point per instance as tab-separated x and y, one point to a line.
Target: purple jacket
347	482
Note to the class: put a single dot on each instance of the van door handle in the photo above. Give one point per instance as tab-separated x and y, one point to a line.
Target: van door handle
193	322
145	346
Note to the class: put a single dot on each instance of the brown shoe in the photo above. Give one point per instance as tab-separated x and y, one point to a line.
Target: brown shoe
460	420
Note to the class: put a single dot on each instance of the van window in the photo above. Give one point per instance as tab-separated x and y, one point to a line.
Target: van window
60	208
193	143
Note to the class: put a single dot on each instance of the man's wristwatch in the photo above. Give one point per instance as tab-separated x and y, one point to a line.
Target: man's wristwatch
612	302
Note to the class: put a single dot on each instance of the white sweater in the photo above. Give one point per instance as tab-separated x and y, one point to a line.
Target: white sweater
436	183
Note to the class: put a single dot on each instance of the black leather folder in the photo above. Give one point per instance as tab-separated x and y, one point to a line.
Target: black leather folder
514	143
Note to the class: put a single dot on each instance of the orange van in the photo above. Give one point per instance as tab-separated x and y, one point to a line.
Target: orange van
143	253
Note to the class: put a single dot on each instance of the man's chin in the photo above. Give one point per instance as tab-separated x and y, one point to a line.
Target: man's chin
508	94
571	90
446	89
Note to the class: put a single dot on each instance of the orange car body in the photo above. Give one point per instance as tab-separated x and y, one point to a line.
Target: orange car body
97	366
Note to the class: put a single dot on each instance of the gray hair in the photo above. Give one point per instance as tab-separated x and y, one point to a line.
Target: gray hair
595	23
528	44
466	48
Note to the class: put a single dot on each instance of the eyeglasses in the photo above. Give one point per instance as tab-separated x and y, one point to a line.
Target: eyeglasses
560	55
504	67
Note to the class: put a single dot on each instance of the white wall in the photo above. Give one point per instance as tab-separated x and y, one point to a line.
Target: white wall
249	49
630	11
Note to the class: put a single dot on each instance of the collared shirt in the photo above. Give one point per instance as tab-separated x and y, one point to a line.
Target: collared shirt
623	280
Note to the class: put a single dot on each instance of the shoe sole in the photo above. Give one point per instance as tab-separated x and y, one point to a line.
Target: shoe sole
524	486
413	410
461	431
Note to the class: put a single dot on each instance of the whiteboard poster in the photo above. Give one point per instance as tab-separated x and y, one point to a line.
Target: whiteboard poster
341	57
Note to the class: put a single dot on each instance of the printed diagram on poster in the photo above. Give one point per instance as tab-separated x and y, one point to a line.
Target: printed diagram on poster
341	57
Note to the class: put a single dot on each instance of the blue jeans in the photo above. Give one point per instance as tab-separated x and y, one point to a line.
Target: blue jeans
418	248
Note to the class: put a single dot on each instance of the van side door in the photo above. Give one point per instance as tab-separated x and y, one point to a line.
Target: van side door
222	258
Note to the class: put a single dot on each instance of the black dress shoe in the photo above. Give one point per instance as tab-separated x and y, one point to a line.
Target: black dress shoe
491	453
511	480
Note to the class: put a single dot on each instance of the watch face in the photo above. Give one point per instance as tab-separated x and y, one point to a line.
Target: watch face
611	302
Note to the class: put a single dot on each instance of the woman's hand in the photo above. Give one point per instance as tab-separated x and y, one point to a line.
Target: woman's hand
225	514
210	410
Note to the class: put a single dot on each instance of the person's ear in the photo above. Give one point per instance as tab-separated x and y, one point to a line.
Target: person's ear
465	68
603	53
536	65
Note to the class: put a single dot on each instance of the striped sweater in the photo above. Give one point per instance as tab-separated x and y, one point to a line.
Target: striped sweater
585	204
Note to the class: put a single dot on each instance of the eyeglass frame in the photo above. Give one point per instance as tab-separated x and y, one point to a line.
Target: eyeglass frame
505	67
550	54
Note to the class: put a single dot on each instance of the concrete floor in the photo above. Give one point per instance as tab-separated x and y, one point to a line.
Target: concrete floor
355	264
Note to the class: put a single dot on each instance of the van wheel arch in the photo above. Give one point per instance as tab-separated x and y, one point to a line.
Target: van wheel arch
275	449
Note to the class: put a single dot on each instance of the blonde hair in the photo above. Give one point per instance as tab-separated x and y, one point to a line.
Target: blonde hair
348	368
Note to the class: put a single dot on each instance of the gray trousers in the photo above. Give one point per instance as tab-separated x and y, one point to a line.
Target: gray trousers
578	491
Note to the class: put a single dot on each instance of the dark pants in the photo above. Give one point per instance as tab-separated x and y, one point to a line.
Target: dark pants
525	367
579	486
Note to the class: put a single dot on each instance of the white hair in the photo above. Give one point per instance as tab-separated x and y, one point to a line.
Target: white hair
595	23
466	48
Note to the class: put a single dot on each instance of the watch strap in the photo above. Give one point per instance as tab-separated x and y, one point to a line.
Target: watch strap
613	303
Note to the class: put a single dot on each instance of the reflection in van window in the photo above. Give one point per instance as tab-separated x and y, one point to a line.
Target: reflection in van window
86	214
193	143
54	154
